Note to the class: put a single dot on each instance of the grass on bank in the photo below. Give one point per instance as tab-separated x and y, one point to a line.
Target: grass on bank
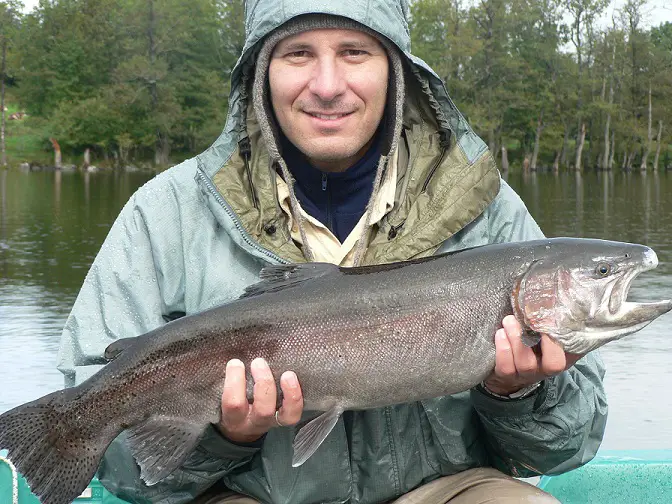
27	141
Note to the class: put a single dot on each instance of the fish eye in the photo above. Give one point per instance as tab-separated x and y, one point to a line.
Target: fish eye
603	269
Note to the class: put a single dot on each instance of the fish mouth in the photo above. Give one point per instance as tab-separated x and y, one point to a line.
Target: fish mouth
629	316
617	317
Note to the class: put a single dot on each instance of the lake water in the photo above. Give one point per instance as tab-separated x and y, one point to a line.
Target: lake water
52	224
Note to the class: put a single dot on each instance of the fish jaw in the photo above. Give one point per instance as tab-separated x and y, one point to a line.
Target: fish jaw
618	317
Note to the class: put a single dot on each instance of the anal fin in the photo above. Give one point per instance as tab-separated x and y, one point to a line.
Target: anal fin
161	444
310	436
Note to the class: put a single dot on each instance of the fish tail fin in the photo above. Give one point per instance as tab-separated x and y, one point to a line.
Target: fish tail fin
57	457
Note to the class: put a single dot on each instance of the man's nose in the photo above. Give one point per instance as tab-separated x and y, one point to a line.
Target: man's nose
328	81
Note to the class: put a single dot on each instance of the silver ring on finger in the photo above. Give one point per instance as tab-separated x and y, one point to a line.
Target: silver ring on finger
277	420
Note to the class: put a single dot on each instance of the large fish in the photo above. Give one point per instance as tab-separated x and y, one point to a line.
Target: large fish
346	332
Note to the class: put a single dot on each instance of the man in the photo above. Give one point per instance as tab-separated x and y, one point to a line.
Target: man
340	146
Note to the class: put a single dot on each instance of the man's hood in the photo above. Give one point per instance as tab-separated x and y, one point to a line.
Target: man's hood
387	17
454	178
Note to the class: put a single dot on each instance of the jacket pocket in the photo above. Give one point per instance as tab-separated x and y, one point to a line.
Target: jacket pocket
326	477
454	442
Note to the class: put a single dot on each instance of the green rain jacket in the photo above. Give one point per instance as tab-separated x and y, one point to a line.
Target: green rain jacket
196	235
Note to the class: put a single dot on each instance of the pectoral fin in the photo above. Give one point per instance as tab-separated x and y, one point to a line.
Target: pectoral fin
311	435
161	444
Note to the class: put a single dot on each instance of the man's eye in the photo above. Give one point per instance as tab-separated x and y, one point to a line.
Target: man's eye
298	54
355	52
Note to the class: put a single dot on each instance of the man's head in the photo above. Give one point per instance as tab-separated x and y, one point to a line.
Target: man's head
329	84
328	90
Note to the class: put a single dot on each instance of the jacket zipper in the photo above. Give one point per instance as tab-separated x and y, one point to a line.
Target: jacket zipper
393	449
236	220
325	188
246	152
444	143
444	150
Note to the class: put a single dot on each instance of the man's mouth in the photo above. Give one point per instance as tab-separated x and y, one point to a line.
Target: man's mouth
328	117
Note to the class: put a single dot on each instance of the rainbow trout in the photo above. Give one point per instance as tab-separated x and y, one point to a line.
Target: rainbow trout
346	332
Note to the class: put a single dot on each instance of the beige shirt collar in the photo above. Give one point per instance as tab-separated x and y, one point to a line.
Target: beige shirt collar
324	244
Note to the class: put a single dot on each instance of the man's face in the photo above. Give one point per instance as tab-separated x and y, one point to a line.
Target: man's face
328	92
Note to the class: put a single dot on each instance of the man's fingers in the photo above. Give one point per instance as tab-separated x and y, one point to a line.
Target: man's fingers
553	359
524	357
234	398
292	402
263	407
504	365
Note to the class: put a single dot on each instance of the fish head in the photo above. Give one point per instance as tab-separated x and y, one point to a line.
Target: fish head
576	292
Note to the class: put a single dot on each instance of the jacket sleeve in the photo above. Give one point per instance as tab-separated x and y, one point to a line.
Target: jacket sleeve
561	426
128	289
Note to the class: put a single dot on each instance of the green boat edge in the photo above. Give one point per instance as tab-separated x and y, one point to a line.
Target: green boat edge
613	476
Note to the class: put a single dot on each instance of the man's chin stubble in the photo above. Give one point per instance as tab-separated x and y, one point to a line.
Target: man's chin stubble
333	161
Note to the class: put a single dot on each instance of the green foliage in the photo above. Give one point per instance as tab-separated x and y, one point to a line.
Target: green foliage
149	79
31	135
661	37
130	78
529	72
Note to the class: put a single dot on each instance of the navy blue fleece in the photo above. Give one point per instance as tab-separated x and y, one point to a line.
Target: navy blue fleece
337	200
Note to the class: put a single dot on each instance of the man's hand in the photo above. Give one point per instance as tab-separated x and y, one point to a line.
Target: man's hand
518	366
242	422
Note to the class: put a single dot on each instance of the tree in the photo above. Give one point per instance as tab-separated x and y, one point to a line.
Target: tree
10	18
168	66
497	84
149	79
443	33
69	50
661	56
145	75
584	14
536	38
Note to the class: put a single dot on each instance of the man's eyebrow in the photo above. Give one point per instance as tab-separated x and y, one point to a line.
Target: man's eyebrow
294	47
357	44
291	47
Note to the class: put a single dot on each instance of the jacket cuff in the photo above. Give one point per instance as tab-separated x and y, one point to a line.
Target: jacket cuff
217	445
493	407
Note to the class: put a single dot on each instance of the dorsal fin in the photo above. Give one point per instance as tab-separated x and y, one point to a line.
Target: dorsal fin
113	350
281	277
